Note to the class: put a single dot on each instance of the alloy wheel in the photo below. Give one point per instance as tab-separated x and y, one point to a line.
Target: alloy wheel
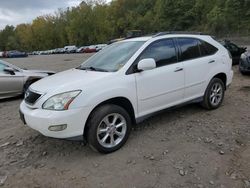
216	94
111	130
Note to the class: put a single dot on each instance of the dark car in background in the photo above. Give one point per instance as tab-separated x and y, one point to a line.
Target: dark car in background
15	53
244	65
235	50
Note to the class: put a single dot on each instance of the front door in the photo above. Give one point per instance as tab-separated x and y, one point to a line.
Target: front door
163	86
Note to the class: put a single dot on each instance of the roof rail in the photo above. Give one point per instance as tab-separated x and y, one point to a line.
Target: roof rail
177	32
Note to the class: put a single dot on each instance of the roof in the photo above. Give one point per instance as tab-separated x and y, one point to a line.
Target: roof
139	39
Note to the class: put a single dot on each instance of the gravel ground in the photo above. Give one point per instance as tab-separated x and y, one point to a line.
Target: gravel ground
184	147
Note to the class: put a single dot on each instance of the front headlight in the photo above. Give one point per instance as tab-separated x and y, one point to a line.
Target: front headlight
60	101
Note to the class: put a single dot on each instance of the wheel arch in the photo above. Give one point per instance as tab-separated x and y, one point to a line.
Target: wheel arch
223	77
119	101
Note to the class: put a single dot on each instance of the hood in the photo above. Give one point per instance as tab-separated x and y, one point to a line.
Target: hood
69	80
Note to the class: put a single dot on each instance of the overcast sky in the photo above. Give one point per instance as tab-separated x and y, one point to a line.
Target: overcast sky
13	12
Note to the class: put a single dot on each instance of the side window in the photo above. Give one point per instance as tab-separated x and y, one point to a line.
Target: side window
162	51
206	48
189	48
2	66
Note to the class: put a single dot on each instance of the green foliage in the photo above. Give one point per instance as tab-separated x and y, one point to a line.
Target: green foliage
94	21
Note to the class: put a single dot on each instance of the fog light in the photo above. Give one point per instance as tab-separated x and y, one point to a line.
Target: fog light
58	127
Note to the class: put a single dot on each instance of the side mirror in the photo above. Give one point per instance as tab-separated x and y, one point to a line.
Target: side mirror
9	70
146	64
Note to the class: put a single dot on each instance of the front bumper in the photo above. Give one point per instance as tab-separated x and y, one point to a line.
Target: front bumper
41	120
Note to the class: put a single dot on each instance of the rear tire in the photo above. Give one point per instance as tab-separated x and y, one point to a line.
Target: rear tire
214	94
109	127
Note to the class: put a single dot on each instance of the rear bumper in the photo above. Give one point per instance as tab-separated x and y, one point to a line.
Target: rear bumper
40	120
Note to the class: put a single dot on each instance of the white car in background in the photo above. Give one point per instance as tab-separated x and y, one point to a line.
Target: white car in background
100	47
70	49
125	83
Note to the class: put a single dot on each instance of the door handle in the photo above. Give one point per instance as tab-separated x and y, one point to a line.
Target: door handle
178	69
212	61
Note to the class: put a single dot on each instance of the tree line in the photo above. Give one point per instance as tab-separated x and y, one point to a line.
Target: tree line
95	21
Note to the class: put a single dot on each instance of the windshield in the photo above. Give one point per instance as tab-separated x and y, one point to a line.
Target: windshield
113	57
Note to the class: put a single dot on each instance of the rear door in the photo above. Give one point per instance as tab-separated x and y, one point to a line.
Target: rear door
10	84
163	86
198	59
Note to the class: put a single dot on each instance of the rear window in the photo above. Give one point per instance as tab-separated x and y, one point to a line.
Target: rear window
189	48
206	48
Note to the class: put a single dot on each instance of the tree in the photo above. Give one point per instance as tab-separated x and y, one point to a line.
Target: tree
95	21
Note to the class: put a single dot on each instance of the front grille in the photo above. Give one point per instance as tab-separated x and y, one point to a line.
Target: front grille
31	97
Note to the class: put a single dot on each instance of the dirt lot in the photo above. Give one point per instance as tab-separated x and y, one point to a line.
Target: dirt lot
185	147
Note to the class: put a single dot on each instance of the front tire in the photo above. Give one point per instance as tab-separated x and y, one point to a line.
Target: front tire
108	128
214	94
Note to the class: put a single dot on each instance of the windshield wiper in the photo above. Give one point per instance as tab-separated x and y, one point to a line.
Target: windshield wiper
92	69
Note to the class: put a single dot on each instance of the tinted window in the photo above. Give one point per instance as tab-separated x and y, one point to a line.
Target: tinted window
189	48
206	48
162	51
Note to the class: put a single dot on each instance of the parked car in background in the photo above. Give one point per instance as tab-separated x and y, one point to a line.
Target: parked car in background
100	47
15	81
70	49
81	49
244	65
5	54
235	50
59	51
90	49
125	83
1	54
15	53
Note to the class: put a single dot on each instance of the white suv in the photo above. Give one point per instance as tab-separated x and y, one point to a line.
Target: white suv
125	83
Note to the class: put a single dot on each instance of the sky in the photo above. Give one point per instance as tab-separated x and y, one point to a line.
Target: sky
14	12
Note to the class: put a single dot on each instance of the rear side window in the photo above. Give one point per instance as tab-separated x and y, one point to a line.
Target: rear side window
189	48
162	51
206	48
